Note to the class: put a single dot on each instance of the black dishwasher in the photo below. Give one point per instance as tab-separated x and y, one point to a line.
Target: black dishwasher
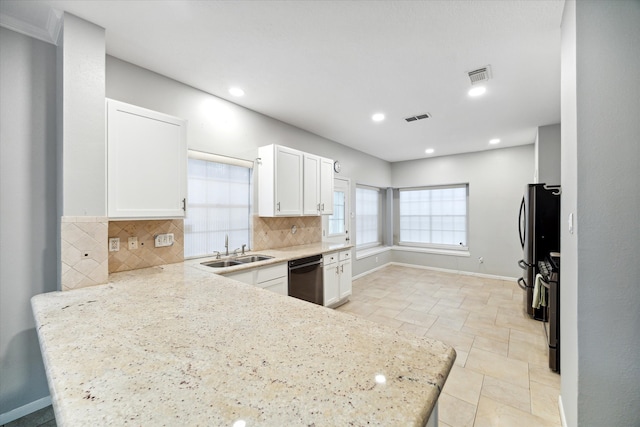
305	279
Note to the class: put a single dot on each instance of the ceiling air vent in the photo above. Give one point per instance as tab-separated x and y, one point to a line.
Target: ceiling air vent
418	117
480	75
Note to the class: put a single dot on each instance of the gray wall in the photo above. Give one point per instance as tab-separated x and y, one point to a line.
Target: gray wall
496	179
600	288
548	154
27	210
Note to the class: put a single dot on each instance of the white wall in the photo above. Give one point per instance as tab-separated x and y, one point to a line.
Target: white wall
81	73
27	210
496	179
600	292
548	154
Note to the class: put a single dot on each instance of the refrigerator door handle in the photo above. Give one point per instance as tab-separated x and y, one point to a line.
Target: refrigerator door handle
522	283
524	265
521	229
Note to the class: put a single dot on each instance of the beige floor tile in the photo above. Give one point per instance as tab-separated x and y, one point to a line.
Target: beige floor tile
461	358
513	371
488	344
544	375
449	312
497	346
507	393
393	303
495	414
459	340
384	320
413	329
417	317
464	384
386	312
544	402
532	351
455	412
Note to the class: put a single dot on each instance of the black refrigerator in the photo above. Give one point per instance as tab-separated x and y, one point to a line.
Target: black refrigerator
539	227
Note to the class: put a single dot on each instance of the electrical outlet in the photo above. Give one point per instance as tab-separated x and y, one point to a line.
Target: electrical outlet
162	240
133	243
114	244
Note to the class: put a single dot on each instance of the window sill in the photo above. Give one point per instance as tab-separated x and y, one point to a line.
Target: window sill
365	253
449	252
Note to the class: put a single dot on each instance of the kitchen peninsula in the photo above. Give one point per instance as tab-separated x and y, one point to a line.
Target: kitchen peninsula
178	345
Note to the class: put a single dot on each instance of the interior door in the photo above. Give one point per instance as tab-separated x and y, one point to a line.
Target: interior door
336	227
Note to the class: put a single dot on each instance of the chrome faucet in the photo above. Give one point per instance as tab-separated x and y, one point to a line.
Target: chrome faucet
226	244
217	254
235	252
243	247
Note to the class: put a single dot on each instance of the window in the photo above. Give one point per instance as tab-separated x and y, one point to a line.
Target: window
337	219
368	220
218	205
434	216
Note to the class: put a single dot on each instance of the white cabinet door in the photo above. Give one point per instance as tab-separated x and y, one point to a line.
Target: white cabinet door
326	186
311	180
279	286
147	163
279	181
331	284
288	182
345	279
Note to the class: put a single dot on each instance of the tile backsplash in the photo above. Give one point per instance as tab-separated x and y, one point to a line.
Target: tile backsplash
146	255
274	233
83	251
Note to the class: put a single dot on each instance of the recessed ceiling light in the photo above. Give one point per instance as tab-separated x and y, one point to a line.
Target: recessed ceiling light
378	117
477	91
494	141
429	151
236	91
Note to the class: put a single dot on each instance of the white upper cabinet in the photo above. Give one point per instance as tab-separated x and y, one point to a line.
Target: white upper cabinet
311	181
147	163
326	186
293	183
279	181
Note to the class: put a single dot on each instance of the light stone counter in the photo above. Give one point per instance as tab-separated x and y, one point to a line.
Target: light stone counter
178	345
279	255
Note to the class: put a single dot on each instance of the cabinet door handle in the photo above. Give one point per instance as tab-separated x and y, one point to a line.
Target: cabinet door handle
342	268
337	270
318	207
184	205
323	207
278	204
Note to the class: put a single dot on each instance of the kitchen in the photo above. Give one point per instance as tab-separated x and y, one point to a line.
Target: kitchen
135	85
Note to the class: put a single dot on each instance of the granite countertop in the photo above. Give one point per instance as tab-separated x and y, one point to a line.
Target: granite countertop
178	345
279	256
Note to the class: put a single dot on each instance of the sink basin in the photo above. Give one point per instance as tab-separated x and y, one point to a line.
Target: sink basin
253	258
221	264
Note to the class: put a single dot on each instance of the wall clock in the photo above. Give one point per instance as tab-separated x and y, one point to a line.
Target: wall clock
336	166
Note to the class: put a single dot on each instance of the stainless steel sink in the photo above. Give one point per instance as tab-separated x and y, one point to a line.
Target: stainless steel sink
253	258
221	264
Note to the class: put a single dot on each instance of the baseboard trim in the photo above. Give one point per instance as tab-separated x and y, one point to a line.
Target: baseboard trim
563	418
447	270
27	409
373	270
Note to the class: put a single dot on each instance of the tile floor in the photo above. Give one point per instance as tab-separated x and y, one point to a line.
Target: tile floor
500	377
42	418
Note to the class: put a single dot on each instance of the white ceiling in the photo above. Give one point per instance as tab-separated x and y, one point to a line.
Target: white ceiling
327	66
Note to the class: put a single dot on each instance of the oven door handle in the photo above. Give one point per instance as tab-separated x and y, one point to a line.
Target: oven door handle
319	263
524	265
521	282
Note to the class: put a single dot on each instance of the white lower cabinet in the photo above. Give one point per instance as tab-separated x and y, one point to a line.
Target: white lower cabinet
337	277
274	278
